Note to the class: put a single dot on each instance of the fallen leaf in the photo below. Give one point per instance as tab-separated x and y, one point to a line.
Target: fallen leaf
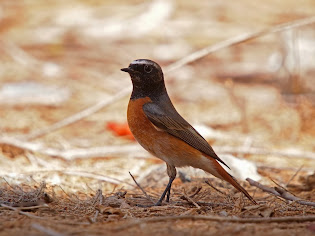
120	129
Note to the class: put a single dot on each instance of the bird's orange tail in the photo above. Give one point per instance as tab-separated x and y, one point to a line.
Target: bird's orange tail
229	178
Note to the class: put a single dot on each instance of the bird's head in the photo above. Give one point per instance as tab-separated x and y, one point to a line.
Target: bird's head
146	76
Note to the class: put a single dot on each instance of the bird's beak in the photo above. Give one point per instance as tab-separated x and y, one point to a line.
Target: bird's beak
126	70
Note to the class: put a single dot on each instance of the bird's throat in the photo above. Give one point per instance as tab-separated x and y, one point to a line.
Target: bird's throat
149	90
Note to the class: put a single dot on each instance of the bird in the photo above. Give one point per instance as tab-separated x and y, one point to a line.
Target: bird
163	132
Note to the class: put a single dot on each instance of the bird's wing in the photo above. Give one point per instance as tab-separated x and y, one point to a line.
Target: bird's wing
171	122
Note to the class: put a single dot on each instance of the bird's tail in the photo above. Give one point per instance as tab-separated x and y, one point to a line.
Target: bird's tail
229	178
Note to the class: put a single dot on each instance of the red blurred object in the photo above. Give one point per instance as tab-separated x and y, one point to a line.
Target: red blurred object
120	129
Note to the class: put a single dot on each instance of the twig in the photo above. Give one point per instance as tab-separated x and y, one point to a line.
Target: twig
295	174
272	180
19	55
214	204
21	212
69	197
237	40
189	200
91	175
196	192
27	207
262	187
142	190
45	230
280	192
13	188
78	116
207	182
93	220
41	188
95	216
288	196
217	218
32	159
186	60
98	197
279	186
47	219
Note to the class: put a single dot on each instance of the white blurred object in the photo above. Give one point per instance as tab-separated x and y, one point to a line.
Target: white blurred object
150	18
32	93
76	15
145	17
51	69
171	51
54	179
298	49
153	16
240	169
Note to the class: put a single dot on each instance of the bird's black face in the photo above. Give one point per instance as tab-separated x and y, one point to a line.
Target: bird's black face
143	71
146	76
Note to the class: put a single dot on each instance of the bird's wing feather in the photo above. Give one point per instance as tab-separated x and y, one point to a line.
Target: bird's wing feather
171	122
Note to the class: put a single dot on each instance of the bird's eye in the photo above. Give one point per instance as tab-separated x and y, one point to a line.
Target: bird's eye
147	68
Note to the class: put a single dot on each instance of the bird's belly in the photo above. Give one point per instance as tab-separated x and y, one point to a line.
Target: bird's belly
160	143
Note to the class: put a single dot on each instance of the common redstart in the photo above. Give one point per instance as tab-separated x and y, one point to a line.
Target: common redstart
157	126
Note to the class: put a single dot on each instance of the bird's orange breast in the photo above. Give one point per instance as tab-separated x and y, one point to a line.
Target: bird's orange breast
159	143
139	124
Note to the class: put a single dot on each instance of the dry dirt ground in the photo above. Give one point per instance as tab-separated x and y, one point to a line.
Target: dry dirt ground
254	100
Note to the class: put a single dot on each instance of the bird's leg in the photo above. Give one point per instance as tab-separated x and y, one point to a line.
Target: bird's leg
171	171
168	194
166	191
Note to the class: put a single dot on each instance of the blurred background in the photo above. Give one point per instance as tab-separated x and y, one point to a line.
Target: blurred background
254	99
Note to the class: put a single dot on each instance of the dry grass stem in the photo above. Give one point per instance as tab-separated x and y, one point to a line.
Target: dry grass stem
189	200
23	213
280	192
287	219
78	116
91	175
295	174
142	190
21	208
207	182
237	40
45	230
